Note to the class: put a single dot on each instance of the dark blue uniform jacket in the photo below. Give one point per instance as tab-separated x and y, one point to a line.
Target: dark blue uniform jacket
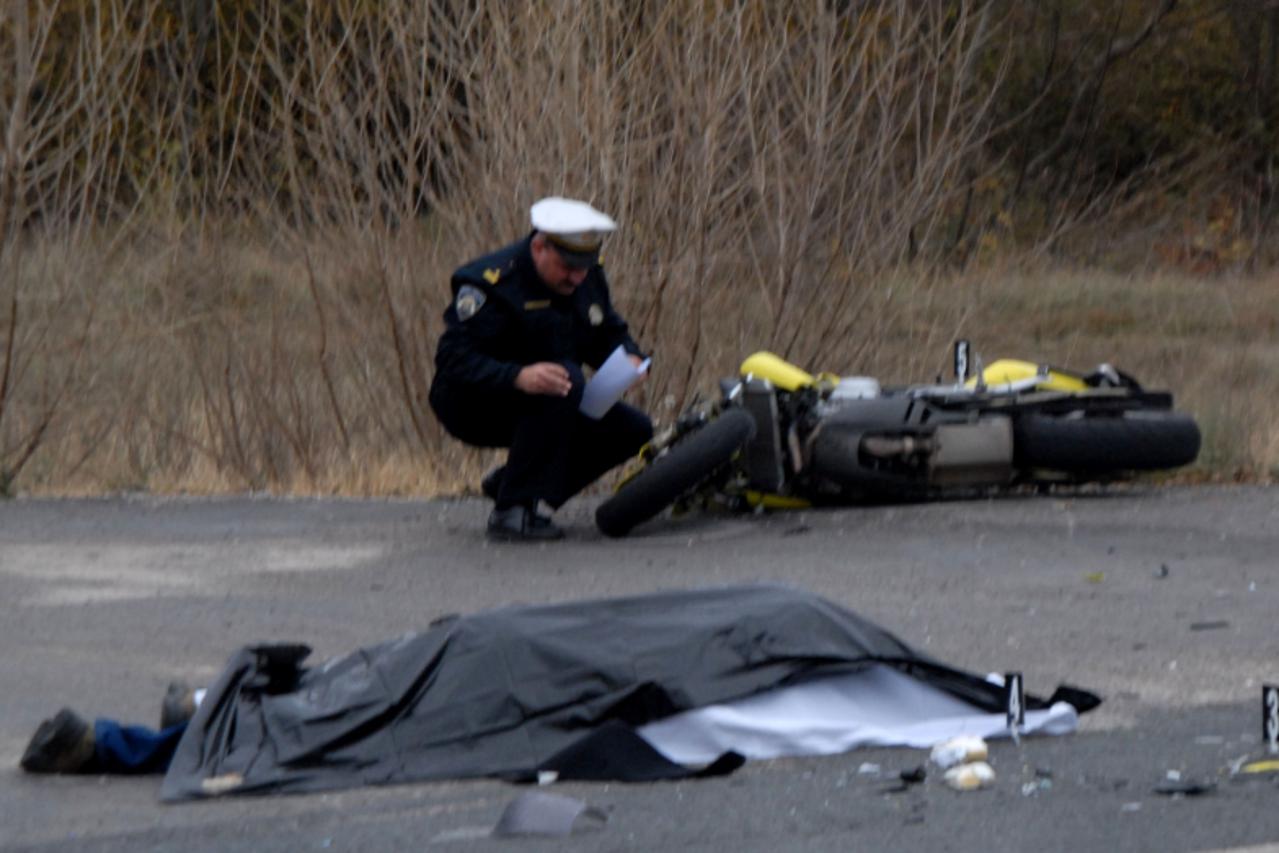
503	317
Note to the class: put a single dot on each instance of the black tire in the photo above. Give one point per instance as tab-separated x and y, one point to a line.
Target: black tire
683	467
1133	441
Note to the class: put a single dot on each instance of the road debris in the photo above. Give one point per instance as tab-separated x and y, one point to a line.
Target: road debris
1269	765
914	776
1033	789
958	750
970	777
964	759
905	780
537	813
1174	785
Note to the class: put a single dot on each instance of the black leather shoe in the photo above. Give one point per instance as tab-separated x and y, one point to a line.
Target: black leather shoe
63	744
491	485
178	705
521	524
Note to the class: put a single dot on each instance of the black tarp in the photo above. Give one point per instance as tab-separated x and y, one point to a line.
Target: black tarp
511	691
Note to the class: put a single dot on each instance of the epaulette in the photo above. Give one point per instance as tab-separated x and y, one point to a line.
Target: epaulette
492	268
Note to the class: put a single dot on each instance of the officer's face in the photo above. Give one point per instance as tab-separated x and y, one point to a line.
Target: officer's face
558	276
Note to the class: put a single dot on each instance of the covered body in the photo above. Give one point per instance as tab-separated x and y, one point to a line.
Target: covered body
511	691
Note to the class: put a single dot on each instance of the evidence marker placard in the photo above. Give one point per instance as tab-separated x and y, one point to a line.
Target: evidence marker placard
1270	717
962	350
1014	701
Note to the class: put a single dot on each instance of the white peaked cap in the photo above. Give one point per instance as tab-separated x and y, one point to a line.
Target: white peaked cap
572	224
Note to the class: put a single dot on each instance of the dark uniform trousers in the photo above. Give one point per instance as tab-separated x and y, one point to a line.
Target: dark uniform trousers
555	450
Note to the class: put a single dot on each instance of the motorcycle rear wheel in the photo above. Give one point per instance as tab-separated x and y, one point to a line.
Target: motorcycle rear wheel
683	467
1134	441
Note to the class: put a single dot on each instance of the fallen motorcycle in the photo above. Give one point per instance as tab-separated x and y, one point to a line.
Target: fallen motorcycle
778	436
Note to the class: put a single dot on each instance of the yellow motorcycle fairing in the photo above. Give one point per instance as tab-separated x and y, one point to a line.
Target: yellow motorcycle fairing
781	373
1011	371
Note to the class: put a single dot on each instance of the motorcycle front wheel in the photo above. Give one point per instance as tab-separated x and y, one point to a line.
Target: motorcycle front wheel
683	467
1135	441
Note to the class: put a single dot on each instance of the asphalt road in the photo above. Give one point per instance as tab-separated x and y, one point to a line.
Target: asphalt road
1161	600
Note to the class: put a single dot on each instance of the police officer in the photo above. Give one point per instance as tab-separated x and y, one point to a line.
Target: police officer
523	321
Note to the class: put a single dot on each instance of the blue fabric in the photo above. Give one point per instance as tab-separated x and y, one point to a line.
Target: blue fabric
133	749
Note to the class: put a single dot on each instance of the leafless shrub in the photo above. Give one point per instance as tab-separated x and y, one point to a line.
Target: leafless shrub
63	110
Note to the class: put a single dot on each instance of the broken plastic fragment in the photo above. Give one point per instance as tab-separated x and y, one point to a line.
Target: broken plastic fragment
1186	788
1269	765
905	780
914	776
550	815
215	785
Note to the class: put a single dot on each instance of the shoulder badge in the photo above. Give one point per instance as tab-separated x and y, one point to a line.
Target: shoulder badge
595	314
470	300
491	275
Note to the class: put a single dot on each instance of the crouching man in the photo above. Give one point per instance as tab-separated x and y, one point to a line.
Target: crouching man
522	323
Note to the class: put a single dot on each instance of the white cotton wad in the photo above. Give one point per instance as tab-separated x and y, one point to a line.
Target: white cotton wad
958	750
970	777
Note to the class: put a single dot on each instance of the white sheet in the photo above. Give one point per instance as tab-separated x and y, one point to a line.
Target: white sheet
877	707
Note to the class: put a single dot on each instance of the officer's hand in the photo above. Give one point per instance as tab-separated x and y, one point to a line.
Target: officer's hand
544	377
637	361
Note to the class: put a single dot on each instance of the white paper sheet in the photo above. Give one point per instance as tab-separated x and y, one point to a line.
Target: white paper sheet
610	382
877	707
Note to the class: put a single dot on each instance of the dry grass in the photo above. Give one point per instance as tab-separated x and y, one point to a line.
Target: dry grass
211	374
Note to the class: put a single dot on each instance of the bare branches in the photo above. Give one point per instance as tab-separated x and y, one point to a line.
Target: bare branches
62	113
